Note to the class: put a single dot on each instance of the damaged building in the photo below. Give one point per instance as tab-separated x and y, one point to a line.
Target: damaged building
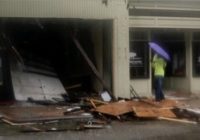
51	49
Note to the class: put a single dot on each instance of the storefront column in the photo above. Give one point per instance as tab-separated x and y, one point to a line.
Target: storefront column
121	82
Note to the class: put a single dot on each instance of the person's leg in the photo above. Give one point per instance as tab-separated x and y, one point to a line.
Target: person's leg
160	91
157	94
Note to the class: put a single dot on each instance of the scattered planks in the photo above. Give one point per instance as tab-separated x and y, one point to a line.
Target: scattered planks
21	115
144	109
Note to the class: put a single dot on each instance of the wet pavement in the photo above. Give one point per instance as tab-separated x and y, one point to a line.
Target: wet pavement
129	130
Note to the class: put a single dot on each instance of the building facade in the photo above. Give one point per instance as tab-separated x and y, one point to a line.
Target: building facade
120	31
175	26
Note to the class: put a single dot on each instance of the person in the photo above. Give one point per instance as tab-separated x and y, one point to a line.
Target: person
158	65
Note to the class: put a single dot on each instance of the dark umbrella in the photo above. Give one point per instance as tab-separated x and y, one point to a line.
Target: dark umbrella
159	50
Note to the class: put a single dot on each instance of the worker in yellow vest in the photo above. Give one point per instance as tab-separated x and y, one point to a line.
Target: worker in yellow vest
159	65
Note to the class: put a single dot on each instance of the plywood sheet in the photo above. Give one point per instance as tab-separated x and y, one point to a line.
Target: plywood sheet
114	109
119	108
144	106
153	112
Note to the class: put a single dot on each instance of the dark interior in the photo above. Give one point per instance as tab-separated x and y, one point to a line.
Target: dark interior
46	47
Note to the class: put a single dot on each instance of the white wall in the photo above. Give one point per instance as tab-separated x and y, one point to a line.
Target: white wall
142	87
92	9
164	22
121	81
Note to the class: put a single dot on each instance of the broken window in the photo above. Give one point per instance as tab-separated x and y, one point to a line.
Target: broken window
139	54
196	54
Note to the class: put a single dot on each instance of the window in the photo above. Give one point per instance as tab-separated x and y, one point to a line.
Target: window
196	54
139	54
174	43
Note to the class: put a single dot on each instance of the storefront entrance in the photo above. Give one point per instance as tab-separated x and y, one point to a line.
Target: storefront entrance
174	42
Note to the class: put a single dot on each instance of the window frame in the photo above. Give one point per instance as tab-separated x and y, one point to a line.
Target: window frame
145	56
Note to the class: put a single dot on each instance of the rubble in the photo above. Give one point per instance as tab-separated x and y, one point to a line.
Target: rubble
97	114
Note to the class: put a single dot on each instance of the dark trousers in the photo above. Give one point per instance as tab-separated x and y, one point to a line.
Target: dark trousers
158	88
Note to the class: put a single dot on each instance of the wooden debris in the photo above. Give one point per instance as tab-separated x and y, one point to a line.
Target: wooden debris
93	104
98	101
153	112
91	65
93	126
38	114
116	108
177	120
167	103
17	124
144	108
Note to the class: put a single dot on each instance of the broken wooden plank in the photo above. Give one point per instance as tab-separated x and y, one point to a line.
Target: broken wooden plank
177	120
98	101
93	126
93	104
91	65
39	114
17	124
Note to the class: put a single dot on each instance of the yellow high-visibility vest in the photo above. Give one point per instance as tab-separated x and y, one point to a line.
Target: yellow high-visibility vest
159	65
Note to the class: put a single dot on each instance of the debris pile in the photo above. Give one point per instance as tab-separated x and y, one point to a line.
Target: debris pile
93	113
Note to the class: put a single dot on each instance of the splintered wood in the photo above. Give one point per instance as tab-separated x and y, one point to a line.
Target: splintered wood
142	108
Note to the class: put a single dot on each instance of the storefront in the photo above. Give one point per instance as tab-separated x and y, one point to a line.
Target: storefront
175	27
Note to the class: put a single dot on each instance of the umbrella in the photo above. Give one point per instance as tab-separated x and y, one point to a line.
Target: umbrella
159	50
